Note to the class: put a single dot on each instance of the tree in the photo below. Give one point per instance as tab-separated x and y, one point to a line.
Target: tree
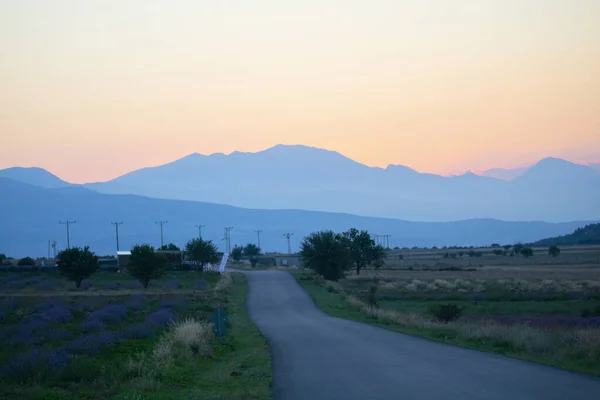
27	261
554	250
498	252
169	247
201	252
363	250
327	254
252	251
76	264
237	253
145	264
526	252
2	259
517	248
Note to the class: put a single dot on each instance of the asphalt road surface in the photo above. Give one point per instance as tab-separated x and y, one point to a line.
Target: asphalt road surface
316	356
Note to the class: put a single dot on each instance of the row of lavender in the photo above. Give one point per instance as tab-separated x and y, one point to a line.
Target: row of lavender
16	282
58	331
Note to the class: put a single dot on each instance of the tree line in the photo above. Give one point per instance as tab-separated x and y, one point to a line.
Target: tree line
145	263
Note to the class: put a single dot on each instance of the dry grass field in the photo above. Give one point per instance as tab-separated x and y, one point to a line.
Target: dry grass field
541	308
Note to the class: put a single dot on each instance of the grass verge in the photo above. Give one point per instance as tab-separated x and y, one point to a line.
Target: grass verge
572	349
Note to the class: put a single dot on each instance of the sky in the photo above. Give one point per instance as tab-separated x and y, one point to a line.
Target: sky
93	89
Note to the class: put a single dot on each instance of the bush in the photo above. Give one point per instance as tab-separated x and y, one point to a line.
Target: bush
27	261
446	312
372	299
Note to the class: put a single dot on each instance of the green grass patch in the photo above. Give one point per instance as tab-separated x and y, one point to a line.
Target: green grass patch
236	366
567	348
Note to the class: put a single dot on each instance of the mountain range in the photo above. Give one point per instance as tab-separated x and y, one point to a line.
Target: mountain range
30	218
301	177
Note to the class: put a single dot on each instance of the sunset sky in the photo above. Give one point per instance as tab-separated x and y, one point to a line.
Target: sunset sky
93	89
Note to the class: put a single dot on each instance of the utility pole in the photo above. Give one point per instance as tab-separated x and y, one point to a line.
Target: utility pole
287	236
116	224
48	249
376	238
54	248
68	224
228	238
386	241
199	230
258	232
161	223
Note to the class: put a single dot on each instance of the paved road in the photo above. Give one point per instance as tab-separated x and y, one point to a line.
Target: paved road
320	357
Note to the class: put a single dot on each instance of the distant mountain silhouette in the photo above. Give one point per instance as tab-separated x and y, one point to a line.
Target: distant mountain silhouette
30	217
34	176
302	177
589	234
505	174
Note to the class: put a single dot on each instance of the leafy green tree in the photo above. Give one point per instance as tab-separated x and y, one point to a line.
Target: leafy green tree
145	264
237	253
252	251
526	252
77	263
169	247
201	252
363	250
27	261
327	254
554	250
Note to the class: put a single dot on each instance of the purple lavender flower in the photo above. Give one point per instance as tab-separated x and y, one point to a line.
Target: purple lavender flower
109	314
36	363
47	304
137	301
93	343
161	318
200	285
54	335
11	303
174	302
172	285
57	314
92	325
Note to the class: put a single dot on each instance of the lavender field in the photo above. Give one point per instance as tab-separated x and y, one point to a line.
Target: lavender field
108	337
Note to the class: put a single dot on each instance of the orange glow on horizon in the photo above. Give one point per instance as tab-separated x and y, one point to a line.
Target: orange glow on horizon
93	90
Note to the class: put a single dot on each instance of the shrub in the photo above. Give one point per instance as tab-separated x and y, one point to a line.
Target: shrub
93	343
36	364
372	299
26	262
446	312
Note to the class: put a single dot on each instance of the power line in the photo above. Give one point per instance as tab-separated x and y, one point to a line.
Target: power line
116	224
200	230
287	236
161	223
258	232
68	224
